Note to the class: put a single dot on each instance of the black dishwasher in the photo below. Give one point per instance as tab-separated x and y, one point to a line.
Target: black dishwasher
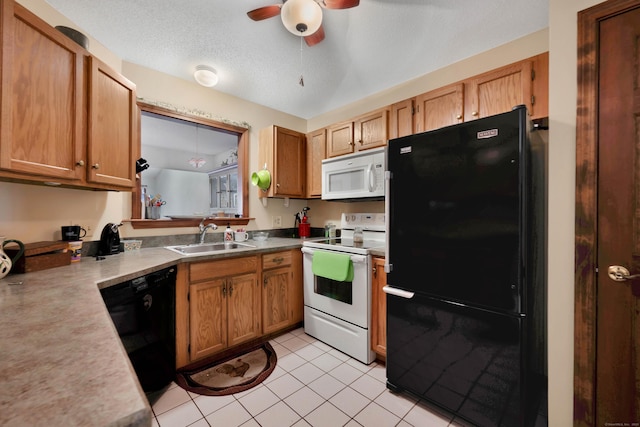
143	312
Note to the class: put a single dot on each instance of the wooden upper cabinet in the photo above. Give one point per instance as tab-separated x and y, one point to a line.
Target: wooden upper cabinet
540	90
401	118
42	92
66	117
316	153
340	139
440	107
499	91
283	152
371	130
113	146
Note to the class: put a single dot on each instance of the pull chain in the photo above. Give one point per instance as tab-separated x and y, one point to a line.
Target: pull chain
301	81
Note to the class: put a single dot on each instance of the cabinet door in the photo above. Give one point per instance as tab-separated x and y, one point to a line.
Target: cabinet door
340	139
372	130
499	91
208	318
113	142
290	163
440	107
379	308
276	299
540	89
42	91
243	308
401	118
316	153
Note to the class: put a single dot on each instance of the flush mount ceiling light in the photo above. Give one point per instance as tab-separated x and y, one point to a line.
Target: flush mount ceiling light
301	17
205	76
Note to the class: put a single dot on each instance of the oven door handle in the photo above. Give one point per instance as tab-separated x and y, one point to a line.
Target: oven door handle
354	258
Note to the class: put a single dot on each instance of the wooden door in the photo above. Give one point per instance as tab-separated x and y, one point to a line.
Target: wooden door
440	107
243	308
607	341
208	318
42	91
276	299
379	308
499	91
372	130
290	163
340	139
113	145
316	153
401	118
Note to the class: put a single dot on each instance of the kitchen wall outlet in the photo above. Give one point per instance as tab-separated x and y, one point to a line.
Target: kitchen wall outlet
276	221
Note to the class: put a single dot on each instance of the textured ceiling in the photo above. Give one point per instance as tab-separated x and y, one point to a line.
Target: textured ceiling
367	49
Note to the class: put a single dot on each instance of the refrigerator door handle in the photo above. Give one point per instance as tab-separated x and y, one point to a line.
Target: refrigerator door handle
388	267
397	292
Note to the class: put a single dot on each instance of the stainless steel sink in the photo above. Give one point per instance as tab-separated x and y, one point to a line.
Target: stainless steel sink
205	248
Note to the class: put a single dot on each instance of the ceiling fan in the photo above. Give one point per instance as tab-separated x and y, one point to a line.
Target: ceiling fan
302	17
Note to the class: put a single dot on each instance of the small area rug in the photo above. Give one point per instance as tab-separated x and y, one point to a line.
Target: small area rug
232	375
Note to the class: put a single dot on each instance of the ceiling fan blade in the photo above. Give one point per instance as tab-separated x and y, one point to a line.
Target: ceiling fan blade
264	12
316	37
340	4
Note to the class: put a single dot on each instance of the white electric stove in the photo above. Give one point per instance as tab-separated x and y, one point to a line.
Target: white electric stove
339	313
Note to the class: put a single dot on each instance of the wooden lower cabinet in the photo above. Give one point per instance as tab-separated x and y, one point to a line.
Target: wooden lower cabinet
282	304
379	309
223	303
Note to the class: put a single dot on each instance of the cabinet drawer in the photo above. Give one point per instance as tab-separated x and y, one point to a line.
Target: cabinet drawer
276	259
206	270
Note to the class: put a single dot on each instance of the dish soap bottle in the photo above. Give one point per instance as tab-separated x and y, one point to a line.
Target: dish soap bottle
228	234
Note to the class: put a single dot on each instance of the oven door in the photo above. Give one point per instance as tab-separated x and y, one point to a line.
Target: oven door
349	301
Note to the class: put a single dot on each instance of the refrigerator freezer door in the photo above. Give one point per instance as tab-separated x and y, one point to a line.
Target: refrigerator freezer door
465	360
466	243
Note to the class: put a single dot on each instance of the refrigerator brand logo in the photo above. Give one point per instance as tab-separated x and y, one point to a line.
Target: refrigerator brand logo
487	133
405	150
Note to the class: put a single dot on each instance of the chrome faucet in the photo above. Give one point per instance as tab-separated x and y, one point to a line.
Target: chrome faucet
203	228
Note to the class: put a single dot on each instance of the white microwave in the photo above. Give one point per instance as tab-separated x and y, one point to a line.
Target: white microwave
355	176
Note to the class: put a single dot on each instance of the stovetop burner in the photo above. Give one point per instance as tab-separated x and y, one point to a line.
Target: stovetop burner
373	233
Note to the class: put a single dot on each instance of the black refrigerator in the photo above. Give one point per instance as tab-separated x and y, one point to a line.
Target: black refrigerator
466	269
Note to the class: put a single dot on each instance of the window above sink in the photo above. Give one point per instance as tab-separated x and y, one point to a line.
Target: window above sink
233	203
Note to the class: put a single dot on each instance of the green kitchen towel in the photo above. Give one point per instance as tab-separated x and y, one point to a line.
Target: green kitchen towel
333	266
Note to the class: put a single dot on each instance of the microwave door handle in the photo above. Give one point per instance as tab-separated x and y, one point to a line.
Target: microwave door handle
371	176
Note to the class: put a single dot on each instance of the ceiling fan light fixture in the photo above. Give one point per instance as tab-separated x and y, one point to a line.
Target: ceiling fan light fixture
206	76
301	17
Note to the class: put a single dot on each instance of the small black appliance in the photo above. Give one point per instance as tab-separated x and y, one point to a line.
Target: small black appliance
110	239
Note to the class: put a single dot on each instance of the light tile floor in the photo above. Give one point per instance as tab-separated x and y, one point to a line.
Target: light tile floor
312	385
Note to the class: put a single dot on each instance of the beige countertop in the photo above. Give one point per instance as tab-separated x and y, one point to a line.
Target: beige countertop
61	360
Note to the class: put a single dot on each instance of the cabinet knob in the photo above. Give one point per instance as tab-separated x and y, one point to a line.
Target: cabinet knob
224	290
459	116
265	282
352	143
475	113
360	141
96	166
80	163
230	290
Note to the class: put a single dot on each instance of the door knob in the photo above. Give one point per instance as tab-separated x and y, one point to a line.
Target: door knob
620	273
